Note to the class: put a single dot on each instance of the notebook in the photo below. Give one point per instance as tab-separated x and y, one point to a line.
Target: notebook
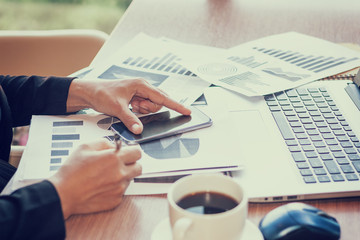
299	144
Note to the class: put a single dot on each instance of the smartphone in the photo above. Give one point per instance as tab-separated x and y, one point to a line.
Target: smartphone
163	124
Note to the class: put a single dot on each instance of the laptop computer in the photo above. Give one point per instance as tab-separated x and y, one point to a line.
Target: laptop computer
298	144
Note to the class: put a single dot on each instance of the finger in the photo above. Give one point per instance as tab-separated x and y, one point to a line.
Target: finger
133	170
129	155
160	98
131	121
147	106
97	145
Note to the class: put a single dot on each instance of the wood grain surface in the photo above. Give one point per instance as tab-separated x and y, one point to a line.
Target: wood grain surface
220	23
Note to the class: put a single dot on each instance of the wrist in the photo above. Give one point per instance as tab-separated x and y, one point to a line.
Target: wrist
64	195
79	96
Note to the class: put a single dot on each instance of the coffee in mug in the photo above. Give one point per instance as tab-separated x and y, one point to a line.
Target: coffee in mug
207	202
207	206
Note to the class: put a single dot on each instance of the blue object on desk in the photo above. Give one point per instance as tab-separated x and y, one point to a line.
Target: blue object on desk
299	221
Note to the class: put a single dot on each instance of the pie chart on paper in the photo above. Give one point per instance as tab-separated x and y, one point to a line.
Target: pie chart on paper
172	147
106	122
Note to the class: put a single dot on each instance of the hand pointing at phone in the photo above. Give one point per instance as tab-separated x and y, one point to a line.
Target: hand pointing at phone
113	98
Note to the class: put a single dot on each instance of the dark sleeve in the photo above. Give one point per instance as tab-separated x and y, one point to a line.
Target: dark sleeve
32	95
32	212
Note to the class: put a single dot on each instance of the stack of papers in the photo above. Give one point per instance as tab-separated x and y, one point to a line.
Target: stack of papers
185	71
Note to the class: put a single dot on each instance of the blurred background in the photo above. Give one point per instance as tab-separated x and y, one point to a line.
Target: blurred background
61	14
102	15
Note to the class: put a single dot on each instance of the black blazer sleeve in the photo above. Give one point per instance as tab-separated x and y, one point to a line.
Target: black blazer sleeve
35	95
32	212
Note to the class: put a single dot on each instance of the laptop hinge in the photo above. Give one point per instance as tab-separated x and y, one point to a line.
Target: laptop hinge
357	79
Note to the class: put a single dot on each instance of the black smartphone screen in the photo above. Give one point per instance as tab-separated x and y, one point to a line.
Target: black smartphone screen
163	124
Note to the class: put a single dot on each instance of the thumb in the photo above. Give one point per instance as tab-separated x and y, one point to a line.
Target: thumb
131	121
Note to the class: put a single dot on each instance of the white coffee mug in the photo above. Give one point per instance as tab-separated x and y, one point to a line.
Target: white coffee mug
195	226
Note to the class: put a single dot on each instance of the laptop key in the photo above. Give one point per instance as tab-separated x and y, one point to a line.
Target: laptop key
291	93
326	157
272	103
344	123
320	124
298	157
309	179
339	154
318	144
290	113
302	91
315	162
356	166
306	172
350	150
323	150
304	142
300	110
342	161
337	178
354	157
346	144
342	138
292	119
351	177
285	130
294	149
316	138
332	167
323	178
269	97
303	165
308	148
347	169
320	171
291	143
335	127
311	154
335	148
274	109
295	124
351	134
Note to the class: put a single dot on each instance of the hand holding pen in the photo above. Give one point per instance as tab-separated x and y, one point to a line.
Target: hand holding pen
118	142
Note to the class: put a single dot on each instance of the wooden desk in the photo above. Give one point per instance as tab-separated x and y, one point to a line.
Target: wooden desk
221	23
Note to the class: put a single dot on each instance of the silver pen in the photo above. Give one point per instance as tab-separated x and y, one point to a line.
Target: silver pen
118	142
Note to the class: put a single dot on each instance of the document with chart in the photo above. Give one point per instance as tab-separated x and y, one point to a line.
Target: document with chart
269	64
148	58
53	138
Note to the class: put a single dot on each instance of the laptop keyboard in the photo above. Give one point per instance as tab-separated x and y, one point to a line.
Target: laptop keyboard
321	142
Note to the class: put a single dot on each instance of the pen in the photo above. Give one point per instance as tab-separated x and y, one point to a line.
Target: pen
117	142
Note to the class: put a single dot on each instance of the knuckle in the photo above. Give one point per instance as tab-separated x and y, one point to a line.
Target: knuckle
122	188
137	153
115	201
84	146
122	175
138	169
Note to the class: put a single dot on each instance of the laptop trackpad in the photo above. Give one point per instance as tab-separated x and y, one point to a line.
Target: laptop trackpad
251	126
255	141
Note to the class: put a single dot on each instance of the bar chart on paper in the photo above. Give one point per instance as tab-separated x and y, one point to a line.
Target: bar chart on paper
310	62
64	136
164	63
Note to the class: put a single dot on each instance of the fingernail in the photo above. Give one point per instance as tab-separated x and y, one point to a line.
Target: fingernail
136	128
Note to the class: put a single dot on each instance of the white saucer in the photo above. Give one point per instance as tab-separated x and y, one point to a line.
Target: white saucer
163	231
